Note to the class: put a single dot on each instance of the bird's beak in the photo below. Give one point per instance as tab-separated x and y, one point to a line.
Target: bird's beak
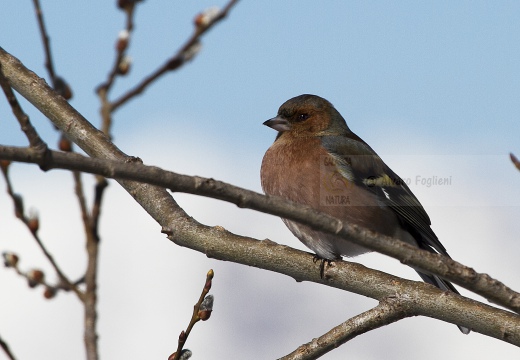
279	124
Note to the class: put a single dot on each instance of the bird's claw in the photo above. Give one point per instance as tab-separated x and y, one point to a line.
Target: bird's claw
316	258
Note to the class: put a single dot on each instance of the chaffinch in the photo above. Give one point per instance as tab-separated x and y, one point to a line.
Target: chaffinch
318	161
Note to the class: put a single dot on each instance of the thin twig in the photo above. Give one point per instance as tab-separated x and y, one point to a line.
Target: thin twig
185	53
92	221
198	314
96	208
78	189
90	316
26	126
515	161
91	272
121	48
90	278
30	224
58	83
6	349
36	277
46	43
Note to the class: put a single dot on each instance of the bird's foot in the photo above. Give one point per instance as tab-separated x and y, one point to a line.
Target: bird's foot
316	258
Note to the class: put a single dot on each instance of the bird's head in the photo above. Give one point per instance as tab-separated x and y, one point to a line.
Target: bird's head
306	116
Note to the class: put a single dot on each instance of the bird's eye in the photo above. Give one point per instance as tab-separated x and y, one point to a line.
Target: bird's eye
302	117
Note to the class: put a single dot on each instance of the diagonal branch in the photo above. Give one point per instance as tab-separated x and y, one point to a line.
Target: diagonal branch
46	42
121	48
184	54
481	284
23	119
515	161
30	223
216	243
386	312
6	349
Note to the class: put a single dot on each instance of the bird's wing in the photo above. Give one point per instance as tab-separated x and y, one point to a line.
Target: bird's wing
357	162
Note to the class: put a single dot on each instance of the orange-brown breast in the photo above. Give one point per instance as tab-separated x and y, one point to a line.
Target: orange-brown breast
301	170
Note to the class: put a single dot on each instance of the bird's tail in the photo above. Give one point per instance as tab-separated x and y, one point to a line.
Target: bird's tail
443	285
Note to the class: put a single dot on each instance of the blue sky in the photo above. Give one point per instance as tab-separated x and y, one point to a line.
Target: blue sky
433	87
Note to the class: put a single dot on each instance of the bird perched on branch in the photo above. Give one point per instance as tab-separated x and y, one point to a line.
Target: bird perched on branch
316	160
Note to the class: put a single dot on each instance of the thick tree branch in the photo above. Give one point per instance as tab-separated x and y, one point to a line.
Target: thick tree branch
482	284
56	108
220	244
215	242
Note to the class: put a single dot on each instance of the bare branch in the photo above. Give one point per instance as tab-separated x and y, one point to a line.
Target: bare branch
200	312
121	47
46	42
54	107
90	278
21	116
220	244
6	349
32	224
90	226
386	312
90	314
467	277
184	54
515	161
36	277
